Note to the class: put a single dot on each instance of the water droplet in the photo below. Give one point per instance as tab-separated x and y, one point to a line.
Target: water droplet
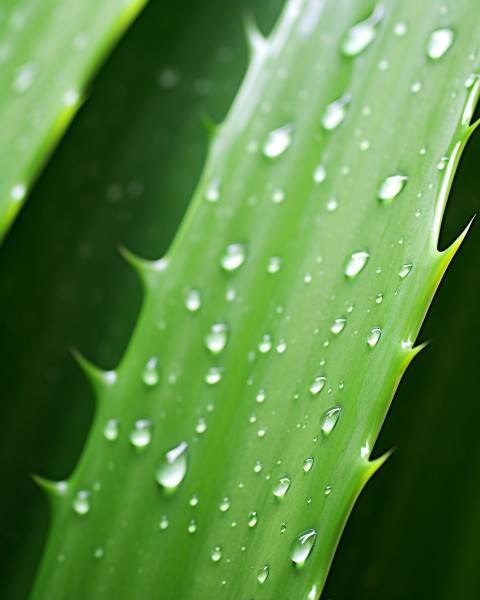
150	375
439	41
216	554
81	502
405	270
225	504
265	344
400	28
216	338
262	431
141	434
356	263
329	419
278	196
212	191
252	519
192	526
234	257
193	500
320	173
281	346
258	466
283	528
214	375
391	187
18	191
282	487
416	86
307	464
379	298
338	326
328	490
111	430
358	37
302	545
173	467
163	524
364	145
317	384
278	141
335	113
193	300
263	574
24	77
332	204
261	395
373	336
274	264
201	425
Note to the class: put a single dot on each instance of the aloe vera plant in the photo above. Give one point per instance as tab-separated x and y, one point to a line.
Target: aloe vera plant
290	171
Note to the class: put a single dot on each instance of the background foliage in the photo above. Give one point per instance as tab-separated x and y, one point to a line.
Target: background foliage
414	529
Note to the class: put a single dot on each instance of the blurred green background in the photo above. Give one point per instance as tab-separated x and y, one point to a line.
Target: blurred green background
124	173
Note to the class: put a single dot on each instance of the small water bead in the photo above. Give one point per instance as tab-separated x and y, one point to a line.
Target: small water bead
278	140
317	384
439	41
224	504
214	375
338	326
358	37
216	554
24	77
98	552
201	425
111	430
193	500
173	467
302	546
212	191
282	487
405	270
320	173
216	338
81	502
18	191
262	431
278	196
400	28
141	434
283	528
265	344
335	113
192	526
416	86
364	145
193	300
274	264
233	257
328	490
329	419
379	298
261	395
406	344
307	464
391	187
356	263
281	346
442	163
307	278
263	574
258	466
332	205
150	375
252	519
373	336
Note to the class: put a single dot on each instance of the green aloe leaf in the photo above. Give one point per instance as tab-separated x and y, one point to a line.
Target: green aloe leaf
48	52
256	213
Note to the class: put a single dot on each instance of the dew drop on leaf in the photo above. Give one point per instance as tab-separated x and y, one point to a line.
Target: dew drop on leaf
405	270
214	375
258	466
261	395
379	298
216	554
332	205
373	336
163	523
81	502
335	113
358	37
400	28
278	196
282	487
98	552
307	464
233	257
320	173
24	77
283	528
302	546
317	385
329	419
173	467
216	338
201	425
193	500
212	191
193	300
150	375
439	41
265	344
328	490
391	187
111	430
281	346
225	504
262	575
338	326
356	263
278	140
274	264
192	526
141	434
252	519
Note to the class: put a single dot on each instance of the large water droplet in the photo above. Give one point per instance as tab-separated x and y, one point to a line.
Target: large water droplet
338	326
307	464
81	502
252	519
391	187
216	554
234	257
335	113
373	336
329	419
317	384
358	37
405	270
141	434
302	546
216	338
173	467
282	487
193	300
262	575
150	375
212	191
111	430
356	263
278	141
214	375
439	41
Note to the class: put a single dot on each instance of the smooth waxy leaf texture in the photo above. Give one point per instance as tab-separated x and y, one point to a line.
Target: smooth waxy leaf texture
295	340
48	51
